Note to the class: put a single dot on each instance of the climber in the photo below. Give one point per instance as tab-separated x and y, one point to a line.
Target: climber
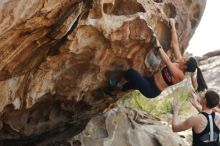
171	73
205	125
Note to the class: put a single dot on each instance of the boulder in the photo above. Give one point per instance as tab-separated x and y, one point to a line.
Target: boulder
57	56
125	126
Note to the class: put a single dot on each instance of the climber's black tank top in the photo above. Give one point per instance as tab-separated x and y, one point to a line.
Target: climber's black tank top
205	134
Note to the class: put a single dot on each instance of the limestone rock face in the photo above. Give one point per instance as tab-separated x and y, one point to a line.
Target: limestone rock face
127	127
210	65
56	55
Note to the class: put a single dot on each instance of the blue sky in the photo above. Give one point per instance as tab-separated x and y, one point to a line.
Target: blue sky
207	35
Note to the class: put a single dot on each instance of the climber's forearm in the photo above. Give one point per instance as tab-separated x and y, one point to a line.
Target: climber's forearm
174	43
193	80
198	107
175	121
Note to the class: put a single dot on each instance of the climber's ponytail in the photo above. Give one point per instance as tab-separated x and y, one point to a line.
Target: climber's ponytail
191	66
200	81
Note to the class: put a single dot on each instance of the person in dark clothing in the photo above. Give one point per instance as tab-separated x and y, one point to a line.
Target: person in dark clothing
205	125
172	73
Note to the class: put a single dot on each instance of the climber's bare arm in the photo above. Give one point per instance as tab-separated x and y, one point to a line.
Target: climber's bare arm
174	40
178	126
184	125
193	80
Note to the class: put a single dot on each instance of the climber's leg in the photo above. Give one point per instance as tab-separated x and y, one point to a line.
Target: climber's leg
136	81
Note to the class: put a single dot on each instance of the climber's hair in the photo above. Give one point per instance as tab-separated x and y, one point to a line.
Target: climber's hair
212	99
191	66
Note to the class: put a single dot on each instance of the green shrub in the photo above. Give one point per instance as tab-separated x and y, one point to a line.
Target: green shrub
157	106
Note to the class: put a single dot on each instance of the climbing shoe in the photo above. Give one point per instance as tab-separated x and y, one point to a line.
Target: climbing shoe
113	82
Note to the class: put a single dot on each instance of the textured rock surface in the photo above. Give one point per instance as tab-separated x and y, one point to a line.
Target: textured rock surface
127	127
210	65
57	54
